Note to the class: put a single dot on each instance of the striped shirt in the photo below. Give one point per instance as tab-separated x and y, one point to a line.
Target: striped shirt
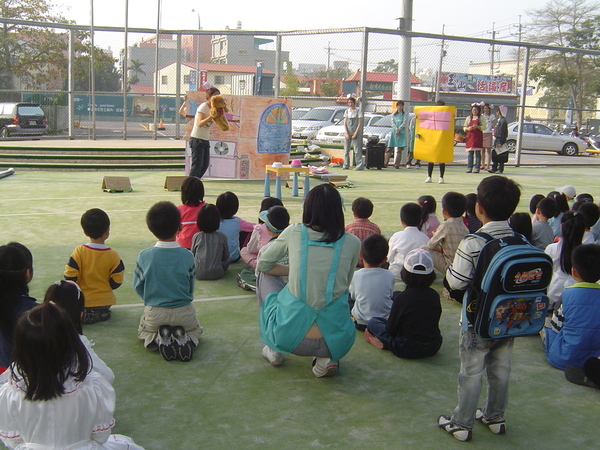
460	273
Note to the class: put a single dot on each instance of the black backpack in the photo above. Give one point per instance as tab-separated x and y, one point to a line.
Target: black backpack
507	295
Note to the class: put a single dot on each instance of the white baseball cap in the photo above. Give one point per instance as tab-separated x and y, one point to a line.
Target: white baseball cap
419	261
568	190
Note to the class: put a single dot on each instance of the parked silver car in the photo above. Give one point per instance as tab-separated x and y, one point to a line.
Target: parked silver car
336	134
540	137
315	119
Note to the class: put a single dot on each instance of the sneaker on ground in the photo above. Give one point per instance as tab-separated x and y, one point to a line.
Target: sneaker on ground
95	315
428	180
459	432
244	284
441	180
408	166
165	343
274	358
182	343
324	367
496	425
469	171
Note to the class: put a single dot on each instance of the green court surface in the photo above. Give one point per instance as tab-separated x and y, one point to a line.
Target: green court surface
228	395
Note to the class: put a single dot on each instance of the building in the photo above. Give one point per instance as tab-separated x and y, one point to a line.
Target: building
381	85
245	50
509	68
228	78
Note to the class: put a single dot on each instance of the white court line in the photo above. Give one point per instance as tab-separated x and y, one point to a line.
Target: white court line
196	300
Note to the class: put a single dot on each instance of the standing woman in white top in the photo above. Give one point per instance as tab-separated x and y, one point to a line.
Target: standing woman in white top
490	123
199	140
353	127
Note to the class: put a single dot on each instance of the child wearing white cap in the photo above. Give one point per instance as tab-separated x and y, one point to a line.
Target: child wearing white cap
411	330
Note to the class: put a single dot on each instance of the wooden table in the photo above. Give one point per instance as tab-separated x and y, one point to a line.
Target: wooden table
286	169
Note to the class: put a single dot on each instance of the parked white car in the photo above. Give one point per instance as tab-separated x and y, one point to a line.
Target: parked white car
315	119
540	137
336	134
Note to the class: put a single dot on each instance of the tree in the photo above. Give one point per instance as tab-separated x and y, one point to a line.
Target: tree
331	88
106	76
389	66
135	65
34	53
566	75
290	80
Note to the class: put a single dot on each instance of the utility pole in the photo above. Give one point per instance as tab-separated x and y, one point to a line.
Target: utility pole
520	35
493	50
404	53
328	48
414	62
439	73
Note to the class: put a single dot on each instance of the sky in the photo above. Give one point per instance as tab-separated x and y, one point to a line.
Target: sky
428	16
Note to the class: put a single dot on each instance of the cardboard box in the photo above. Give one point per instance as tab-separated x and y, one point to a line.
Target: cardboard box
116	184
173	183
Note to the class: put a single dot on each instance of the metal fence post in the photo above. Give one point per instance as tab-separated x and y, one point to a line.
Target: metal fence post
125	71
522	106
70	84
277	81
178	86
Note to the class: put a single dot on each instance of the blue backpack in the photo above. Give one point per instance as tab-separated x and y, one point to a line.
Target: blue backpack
507	295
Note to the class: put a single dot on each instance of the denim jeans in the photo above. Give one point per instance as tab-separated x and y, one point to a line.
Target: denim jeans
477	165
476	356
357	146
200	157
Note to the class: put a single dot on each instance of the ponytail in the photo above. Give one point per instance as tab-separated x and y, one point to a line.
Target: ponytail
428	205
573	227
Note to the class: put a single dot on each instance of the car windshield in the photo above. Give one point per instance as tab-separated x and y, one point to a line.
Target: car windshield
318	114
384	122
373	120
298	113
30	110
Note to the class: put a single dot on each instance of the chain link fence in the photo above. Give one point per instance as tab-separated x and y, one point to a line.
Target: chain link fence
141	78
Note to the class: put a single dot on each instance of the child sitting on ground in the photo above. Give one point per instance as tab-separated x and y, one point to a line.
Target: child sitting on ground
209	246
521	223
429	221
260	235
164	278
16	271
542	234
574	332
572	227
362	209
445	240
231	226
67	296
192	199
411	330
591	214
371	288
406	240
96	268
53	398
276	219
471	220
